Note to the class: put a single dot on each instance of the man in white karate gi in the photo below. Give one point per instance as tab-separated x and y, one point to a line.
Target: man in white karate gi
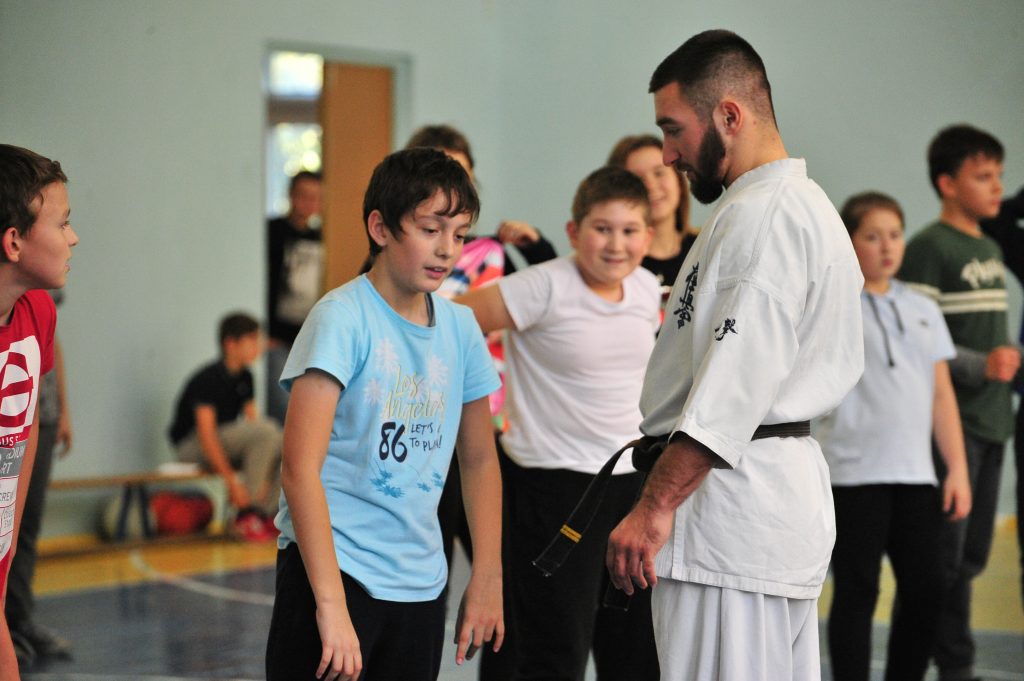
762	333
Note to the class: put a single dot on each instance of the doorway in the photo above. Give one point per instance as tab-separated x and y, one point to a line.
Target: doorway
338	113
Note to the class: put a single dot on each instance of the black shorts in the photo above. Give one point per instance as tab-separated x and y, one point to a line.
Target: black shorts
397	640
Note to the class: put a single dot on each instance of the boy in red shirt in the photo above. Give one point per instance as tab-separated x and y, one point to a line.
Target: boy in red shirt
35	247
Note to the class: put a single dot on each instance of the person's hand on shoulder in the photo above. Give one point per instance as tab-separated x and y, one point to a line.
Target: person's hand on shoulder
481	615
517	233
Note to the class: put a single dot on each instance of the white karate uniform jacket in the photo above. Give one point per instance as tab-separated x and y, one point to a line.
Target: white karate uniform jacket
763	326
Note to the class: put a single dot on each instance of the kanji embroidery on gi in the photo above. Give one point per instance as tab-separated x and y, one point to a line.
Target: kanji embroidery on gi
682	312
728	326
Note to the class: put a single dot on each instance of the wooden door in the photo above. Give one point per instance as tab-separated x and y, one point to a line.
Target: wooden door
356	113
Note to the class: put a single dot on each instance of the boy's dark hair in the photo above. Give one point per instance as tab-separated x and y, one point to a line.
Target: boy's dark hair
236	325
407	178
954	145
711	63
610	184
627	145
23	174
859	205
443	137
303	175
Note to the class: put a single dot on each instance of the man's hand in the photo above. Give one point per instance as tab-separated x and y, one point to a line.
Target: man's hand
1002	364
633	545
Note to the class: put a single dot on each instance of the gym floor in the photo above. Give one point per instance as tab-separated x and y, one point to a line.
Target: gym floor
200	610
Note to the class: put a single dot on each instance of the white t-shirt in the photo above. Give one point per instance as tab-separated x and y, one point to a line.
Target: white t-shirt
881	432
763	326
575	365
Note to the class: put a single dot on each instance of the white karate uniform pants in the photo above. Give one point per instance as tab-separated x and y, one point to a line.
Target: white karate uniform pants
707	633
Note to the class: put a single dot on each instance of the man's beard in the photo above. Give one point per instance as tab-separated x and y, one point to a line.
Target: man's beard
706	186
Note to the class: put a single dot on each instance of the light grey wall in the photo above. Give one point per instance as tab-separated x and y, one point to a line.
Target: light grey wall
156	110
860	88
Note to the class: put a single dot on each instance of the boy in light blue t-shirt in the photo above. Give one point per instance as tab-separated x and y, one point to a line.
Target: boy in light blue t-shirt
384	379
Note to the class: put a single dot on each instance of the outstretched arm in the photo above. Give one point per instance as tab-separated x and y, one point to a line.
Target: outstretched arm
481	616
633	545
489	308
307	432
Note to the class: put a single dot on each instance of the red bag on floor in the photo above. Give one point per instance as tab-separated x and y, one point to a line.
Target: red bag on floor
181	512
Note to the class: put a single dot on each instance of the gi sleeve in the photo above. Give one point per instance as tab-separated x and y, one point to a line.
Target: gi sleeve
748	350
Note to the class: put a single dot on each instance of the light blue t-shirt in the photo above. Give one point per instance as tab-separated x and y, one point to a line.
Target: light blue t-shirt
881	433
394	431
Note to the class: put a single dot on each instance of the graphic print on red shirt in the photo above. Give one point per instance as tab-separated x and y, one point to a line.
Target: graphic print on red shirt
26	353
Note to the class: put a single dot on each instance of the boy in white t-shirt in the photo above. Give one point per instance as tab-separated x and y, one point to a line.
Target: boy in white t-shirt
580	331
878	446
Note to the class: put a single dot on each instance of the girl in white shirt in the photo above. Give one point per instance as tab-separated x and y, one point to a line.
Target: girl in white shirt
878	444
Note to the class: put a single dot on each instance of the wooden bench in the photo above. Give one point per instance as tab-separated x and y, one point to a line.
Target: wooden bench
135	493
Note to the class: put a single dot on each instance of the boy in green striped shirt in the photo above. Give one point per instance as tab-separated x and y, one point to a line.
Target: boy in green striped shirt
953	262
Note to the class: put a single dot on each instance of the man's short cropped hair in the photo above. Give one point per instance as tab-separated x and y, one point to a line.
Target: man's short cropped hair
23	174
610	184
859	205
407	178
236	325
712	63
954	145
443	137
304	175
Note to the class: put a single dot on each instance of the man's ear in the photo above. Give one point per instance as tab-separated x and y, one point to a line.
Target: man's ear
11	243
729	116
375	226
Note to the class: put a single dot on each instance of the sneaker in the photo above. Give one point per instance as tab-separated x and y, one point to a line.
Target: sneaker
45	642
251	526
23	650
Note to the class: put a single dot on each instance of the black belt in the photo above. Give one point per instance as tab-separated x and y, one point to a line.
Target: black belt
646	451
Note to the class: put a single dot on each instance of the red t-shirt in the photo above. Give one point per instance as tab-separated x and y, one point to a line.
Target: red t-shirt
26	353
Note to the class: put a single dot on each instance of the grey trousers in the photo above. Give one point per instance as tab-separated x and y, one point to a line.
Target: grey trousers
253	448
